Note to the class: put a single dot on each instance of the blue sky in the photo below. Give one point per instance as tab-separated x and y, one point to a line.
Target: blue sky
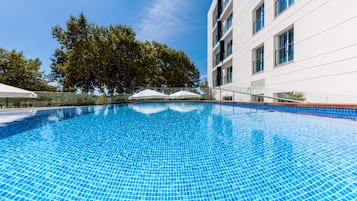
25	25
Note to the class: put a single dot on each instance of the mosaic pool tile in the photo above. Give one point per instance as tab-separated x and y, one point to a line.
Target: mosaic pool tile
177	151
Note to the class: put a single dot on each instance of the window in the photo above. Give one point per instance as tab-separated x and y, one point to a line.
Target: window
217	77
228	77
258	98
224	3
258	63
259	19
229	48
215	17
215	39
217	59
285	51
281	5
228	25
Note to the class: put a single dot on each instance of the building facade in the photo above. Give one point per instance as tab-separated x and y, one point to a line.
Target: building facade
273	47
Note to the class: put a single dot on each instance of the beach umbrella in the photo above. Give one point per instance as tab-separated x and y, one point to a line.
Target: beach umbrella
7	91
184	95
148	94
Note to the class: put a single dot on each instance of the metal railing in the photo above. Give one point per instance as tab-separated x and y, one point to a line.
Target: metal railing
220	93
246	94
249	96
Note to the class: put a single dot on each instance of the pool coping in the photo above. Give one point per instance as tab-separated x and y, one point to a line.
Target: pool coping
305	105
341	111
315	105
330	110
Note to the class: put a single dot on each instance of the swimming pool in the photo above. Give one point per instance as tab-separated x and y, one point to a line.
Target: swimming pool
176	151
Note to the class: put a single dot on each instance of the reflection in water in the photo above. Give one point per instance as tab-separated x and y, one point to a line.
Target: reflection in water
106	111
223	128
258	143
46	133
98	109
22	121
57	116
149	108
13	117
184	107
78	111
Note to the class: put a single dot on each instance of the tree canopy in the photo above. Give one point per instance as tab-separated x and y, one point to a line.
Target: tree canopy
109	58
16	70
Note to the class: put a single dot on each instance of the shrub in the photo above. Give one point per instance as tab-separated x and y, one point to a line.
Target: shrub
294	95
101	100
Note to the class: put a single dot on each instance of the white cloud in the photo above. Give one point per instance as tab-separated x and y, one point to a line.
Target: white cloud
162	20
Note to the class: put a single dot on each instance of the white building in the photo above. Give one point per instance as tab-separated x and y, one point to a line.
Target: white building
272	47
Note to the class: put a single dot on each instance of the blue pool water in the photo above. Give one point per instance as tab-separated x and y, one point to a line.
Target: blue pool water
176	151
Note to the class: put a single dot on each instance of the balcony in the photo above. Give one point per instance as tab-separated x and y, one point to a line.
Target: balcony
284	54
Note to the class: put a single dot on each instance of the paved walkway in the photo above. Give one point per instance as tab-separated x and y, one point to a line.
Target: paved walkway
30	109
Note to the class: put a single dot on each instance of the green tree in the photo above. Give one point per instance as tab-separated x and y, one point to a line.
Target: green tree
295	95
16	70
112	60
167	66
70	64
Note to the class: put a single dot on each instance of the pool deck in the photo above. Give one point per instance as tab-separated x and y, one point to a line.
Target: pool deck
316	105
25	109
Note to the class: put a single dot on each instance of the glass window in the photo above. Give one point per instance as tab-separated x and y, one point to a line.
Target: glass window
229	48
228	24
258	98
229	75
285	53
224	3
281	5
215	38
258	63
259	19
215	17
217	59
